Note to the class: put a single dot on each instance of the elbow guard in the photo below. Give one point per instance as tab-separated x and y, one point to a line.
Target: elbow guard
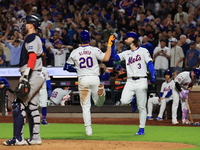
178	87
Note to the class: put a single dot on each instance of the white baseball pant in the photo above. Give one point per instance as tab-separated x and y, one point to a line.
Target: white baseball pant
88	85
176	97
153	101
138	87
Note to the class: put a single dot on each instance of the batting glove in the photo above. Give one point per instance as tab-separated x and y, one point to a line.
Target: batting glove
184	95
111	40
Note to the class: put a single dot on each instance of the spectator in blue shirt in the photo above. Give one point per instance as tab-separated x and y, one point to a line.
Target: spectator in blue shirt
192	57
104	73
15	51
147	45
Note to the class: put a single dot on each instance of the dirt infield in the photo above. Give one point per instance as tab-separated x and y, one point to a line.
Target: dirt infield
97	145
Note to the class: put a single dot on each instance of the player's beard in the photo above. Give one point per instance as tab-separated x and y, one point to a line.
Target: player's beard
127	44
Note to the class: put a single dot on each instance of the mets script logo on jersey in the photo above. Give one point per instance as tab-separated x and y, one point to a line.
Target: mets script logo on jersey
132	59
167	89
30	47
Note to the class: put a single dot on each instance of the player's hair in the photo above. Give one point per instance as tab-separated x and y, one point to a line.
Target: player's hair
136	43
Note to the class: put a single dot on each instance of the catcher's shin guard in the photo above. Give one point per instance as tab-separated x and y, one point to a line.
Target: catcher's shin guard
19	120
34	121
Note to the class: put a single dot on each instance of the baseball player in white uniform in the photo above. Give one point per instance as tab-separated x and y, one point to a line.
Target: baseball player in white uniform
183	84
30	69
59	54
44	94
86	59
59	96
164	97
137	60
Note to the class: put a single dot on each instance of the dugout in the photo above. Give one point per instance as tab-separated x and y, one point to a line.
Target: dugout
61	78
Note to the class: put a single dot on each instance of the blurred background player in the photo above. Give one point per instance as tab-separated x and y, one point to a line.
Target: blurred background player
45	92
183	84
3	84
60	95
85	58
164	97
138	60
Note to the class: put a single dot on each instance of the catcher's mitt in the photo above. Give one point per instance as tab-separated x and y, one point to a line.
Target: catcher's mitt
22	89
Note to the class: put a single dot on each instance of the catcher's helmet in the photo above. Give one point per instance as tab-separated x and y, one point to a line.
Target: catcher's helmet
196	73
84	37
132	34
22	89
33	19
168	72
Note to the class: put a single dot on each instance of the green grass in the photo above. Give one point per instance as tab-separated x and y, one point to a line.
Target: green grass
174	134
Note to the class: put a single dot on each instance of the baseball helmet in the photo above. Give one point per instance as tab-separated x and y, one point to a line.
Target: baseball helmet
84	37
22	89
168	72
196	73
33	19
132	34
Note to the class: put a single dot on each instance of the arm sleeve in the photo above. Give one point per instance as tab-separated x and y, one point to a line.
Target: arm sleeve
8	45
178	87
161	94
151	68
168	94
32	60
48	83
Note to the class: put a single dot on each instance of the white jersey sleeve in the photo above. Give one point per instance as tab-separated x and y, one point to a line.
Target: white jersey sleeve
136	61
85	60
183	79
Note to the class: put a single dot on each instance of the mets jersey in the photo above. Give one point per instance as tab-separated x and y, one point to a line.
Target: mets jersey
85	58
59	56
183	79
136	61
166	87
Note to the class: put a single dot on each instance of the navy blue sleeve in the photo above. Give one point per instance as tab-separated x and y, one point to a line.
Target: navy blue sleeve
161	94
169	94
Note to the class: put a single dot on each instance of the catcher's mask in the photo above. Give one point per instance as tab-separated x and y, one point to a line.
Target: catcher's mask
22	89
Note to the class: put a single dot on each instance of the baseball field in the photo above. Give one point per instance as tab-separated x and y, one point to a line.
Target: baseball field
108	134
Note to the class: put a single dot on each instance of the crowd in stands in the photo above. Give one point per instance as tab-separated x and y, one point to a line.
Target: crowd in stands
169	29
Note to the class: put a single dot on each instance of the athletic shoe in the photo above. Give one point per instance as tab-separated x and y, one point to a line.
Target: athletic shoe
149	118
88	130
100	89
14	141
159	119
175	122
33	142
140	132
44	122
185	121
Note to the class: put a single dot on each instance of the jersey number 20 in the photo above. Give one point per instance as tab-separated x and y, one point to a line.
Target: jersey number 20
86	62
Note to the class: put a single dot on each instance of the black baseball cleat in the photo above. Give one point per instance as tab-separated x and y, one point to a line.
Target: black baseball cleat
14	141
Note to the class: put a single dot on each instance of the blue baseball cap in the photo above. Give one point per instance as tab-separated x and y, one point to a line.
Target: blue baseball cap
132	34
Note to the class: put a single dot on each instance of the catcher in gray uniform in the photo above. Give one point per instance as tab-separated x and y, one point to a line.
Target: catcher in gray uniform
26	103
